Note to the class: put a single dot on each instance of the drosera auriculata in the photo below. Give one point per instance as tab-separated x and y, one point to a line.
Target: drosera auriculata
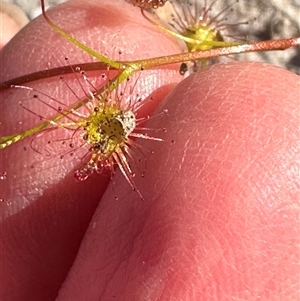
198	25
103	130
128	68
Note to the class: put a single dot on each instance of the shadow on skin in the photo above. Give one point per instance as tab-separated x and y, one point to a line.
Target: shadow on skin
220	217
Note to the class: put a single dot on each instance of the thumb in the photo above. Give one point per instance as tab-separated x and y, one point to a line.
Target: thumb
45	212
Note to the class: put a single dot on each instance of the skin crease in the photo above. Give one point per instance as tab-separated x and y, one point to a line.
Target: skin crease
45	212
220	216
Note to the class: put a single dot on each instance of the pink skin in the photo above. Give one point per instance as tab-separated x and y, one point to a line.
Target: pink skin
220	216
11	28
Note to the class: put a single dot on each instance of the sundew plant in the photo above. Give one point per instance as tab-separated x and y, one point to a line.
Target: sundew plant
107	125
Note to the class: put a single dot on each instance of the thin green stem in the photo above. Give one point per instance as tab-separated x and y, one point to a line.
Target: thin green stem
128	68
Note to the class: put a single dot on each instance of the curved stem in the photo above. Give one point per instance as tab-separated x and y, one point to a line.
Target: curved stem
21	80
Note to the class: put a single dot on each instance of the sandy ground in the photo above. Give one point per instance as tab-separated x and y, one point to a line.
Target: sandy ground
269	19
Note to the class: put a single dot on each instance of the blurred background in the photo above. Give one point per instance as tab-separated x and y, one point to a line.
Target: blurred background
268	19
